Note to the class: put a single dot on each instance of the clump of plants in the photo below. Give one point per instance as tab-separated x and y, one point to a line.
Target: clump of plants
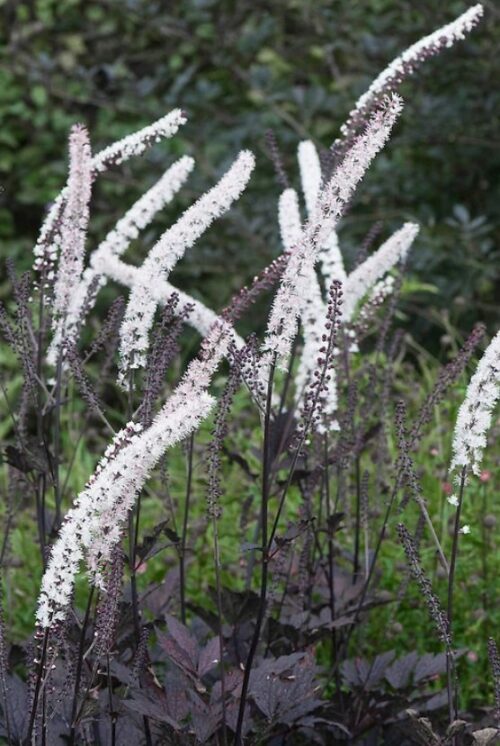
309	440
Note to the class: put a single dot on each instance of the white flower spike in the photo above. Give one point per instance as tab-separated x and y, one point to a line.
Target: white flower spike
290	299
134	334
475	414
95	524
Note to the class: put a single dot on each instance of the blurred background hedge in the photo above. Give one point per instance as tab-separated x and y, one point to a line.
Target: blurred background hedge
240	69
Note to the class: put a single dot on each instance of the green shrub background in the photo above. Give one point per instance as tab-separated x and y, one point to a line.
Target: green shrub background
239	69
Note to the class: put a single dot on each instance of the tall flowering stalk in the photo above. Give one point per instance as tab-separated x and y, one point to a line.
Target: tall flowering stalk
355	287
436	612
289	302
48	243
95	524
403	66
363	281
136	143
167	252
332	263
331	260
314	315
469	441
314	320
289	219
475	413
365	277
116	243
310	173
105	262
74	223
319	405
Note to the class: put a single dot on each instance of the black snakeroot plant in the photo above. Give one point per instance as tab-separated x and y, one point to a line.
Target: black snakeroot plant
321	429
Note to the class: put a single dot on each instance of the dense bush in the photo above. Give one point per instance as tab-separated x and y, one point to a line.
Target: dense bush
290	536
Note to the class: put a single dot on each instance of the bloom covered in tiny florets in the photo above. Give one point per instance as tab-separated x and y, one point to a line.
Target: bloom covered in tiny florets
164	255
406	64
475	413
294	289
94	525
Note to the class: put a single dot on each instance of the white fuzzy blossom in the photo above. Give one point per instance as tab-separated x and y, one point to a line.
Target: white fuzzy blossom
142	212
446	35
314	311
406	63
377	295
313	316
338	191
48	243
73	228
331	260
295	283
47	246
310	173
332	263
382	289
117	242
289	218
95	524
379	292
313	322
166	253
475	413
136	143
364	277
366	280
332	266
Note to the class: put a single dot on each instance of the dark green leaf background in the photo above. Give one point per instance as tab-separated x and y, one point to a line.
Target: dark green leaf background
238	69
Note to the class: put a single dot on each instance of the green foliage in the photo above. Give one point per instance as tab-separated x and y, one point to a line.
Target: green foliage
239	69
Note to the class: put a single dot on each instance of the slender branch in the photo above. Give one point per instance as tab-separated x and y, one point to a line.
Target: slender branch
39	676
266	467
453	686
218	590
182	547
79	667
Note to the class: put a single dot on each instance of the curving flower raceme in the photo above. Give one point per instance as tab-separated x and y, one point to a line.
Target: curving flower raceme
48	243
73	227
362	282
95	524
294	289
134	335
364	277
406	64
